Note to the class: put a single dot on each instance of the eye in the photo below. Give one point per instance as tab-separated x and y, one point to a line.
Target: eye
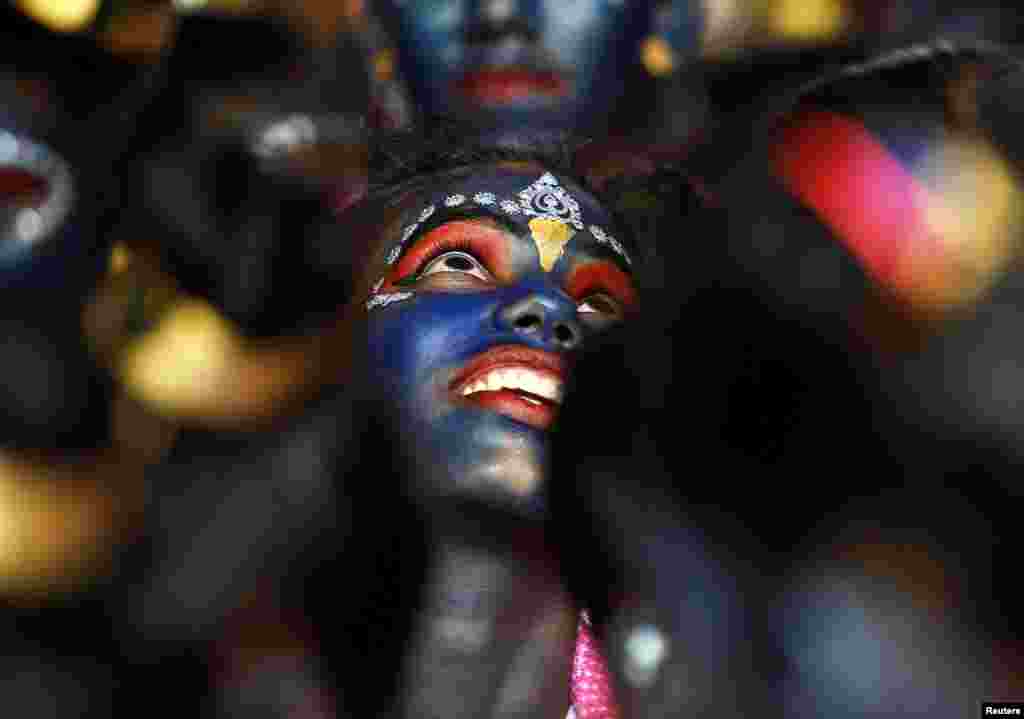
459	262
600	307
458	254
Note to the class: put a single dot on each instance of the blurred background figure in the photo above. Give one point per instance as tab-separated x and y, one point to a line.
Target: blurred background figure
238	159
878	208
901	179
73	448
269	615
66	113
510	66
882	616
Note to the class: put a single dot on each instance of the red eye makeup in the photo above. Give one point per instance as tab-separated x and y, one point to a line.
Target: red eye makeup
601	277
480	238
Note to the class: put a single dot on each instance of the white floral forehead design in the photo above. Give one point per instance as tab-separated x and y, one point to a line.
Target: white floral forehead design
545	198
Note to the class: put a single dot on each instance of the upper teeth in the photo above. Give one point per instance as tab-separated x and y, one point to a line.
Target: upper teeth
520	378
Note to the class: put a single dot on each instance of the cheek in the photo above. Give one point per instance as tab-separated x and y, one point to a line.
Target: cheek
573	18
410	341
575	30
403	343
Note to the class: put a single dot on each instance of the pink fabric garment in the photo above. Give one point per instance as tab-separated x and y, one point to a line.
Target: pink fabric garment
591	691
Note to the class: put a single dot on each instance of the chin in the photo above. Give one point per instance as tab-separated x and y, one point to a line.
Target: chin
476	453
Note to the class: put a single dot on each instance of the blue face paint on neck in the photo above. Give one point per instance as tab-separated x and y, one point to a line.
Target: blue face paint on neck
475	364
536	64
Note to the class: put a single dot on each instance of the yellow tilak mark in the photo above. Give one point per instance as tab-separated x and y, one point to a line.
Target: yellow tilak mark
551	237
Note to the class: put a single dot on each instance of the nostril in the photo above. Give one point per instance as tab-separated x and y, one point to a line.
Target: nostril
528	322
564	335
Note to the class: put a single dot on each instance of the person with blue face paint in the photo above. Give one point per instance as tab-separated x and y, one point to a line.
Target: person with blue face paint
487	278
484	272
546	65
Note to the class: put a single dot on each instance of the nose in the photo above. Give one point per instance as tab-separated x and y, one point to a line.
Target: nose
497	11
544	320
495	20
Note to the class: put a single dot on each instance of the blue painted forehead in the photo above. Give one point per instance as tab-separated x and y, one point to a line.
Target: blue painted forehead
515	193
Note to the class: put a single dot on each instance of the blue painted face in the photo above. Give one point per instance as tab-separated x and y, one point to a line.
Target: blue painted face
487	284
541	64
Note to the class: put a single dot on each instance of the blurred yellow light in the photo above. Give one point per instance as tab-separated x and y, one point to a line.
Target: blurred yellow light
189	5
194	365
657	56
52	528
61	15
183	360
976	213
809	19
120	259
384	65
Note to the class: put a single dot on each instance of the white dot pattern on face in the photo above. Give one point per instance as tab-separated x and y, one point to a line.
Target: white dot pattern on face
510	207
454	200
383	300
605	239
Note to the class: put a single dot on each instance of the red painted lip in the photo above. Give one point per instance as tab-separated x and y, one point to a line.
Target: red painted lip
18	186
507	402
500	86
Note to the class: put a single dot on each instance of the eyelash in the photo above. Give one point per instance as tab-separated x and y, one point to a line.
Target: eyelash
426	248
440	246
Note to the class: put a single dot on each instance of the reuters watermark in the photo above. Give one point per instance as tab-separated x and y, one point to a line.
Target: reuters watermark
1002	709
